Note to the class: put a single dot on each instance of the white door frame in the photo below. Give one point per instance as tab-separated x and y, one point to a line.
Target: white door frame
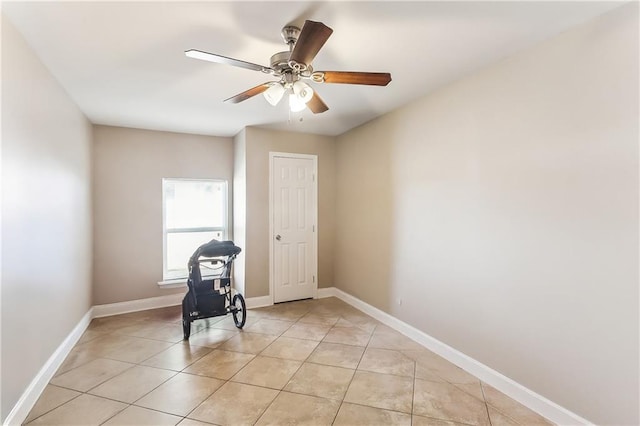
314	244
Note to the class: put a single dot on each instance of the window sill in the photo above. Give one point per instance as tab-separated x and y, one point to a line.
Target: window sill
174	283
181	282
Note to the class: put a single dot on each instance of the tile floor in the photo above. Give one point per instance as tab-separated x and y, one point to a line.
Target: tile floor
312	362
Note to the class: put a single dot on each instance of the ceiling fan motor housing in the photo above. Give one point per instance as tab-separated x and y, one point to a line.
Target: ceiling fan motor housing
280	62
290	35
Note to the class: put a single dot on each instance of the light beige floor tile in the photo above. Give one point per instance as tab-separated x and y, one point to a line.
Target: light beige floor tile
269	326
512	408
285	313
320	380
268	372
228	324
430	366
359	320
220	364
91	374
387	362
446	402
101	346
84	410
52	397
425	357
167	313
132	384
180	394
348	336
235	404
307	331
178	357
201	324
156	330
359	415
452	373
111	324
319	318
211	337
337	355
76	358
191	422
289	348
424	373
391	340
251	343
138	416
428	421
137	350
381	391
473	389
293	409
499	419
89	335
425	360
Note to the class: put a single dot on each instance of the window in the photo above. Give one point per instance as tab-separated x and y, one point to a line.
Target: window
194	213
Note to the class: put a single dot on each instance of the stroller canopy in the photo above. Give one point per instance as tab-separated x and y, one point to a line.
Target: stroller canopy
215	248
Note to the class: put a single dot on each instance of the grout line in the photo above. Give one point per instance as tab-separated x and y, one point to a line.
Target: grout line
486	406
393	411
116	413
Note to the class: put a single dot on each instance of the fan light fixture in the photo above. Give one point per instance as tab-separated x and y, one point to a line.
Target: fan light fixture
274	93
299	94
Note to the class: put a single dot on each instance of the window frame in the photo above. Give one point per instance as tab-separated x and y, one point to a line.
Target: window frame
166	276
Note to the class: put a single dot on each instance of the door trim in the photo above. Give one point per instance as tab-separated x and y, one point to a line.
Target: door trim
314	243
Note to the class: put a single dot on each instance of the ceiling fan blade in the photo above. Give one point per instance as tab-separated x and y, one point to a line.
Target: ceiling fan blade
316	104
347	77
311	39
211	57
248	93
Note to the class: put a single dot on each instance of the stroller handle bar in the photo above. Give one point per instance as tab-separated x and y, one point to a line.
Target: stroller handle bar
215	248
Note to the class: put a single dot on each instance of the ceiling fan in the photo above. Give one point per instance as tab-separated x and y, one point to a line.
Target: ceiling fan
294	66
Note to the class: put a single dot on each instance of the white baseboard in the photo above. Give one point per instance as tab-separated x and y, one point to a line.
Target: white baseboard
30	396
137	305
258	302
509	387
326	292
262	301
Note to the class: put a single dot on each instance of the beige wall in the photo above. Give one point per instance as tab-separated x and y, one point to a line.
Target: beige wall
129	165
46	216
503	211
259	143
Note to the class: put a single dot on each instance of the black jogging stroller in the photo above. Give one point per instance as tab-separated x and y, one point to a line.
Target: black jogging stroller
212	297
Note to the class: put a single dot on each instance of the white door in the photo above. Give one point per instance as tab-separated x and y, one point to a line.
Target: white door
293	209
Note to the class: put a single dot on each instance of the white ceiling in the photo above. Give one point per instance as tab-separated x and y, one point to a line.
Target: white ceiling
123	62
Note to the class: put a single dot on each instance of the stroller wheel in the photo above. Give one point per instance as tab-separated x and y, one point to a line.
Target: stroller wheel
239	310
186	328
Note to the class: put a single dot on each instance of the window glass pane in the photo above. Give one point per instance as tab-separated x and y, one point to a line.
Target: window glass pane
194	204
180	247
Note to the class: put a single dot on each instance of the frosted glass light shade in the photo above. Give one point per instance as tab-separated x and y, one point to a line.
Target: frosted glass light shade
274	93
303	91
295	103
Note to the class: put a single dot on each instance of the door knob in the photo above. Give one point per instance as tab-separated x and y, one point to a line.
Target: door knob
278	237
